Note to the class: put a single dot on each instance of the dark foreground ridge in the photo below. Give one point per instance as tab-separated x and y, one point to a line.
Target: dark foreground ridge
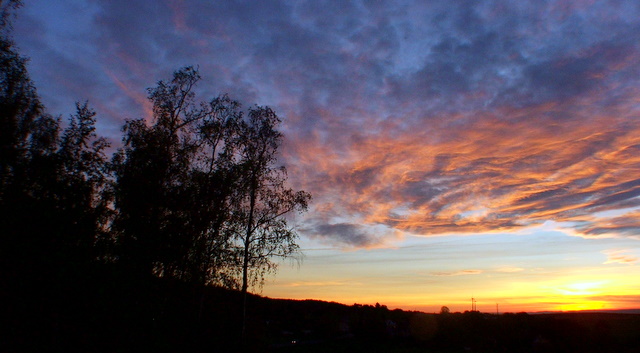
107	314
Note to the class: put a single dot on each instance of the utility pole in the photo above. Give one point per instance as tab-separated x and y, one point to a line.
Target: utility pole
497	311
473	304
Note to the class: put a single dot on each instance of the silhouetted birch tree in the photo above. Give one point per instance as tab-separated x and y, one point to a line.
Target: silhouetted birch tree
262	201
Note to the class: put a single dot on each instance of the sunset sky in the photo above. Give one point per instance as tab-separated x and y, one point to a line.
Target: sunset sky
453	148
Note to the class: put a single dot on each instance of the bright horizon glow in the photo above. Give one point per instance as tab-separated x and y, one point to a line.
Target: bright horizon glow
534	282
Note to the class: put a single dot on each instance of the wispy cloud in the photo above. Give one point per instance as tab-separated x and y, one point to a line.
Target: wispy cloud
493	176
457	273
620	257
317	284
626	224
509	269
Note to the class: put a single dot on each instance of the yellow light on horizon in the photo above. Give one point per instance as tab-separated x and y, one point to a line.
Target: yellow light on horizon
586	305
581	288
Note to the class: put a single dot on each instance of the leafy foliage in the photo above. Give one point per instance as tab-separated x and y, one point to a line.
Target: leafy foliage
51	178
185	186
262	199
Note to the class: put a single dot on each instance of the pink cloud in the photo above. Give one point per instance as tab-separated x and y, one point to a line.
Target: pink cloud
620	257
457	273
504	170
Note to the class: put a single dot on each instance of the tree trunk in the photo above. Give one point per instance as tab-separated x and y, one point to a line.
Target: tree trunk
245	285
245	260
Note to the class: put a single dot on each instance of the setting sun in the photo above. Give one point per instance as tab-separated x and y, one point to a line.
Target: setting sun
588	305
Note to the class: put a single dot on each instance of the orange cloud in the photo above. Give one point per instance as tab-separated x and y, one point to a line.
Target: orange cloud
623	225
510	269
317	284
457	273
179	16
492	171
139	98
620	257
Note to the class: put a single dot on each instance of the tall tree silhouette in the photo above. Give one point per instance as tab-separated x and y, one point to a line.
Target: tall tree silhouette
150	170
173	183
20	120
263	201
197	193
51	183
50	179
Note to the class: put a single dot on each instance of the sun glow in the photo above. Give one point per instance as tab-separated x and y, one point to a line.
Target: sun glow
586	305
581	288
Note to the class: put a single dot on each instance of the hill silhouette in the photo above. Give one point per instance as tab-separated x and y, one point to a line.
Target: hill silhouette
171	316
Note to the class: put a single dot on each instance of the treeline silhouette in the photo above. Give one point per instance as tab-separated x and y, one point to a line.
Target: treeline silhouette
314	326
99	251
